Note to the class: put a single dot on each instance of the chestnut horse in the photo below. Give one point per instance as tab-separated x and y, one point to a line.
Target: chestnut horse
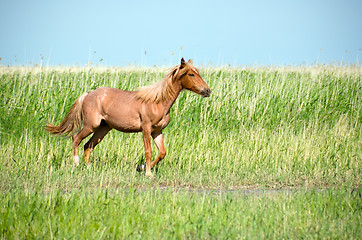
146	110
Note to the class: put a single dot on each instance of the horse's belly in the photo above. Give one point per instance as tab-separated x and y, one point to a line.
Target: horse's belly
124	122
127	128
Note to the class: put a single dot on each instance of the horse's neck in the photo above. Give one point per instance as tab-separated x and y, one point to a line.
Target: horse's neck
167	104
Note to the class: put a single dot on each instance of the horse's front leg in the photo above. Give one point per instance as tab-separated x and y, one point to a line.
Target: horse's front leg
158	139
148	151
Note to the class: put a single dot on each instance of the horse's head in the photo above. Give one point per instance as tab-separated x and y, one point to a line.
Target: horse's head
191	80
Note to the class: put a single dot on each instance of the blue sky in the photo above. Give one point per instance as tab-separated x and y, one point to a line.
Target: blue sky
148	33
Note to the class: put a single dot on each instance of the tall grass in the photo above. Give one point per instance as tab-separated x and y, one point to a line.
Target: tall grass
261	128
269	127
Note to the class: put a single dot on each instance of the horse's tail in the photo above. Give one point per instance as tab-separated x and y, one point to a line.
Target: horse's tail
71	122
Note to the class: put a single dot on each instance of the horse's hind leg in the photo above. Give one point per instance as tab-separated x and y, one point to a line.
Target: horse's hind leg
77	138
97	137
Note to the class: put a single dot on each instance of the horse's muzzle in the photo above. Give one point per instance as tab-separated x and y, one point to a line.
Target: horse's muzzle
206	92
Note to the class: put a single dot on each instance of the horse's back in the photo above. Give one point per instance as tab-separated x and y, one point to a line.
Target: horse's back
119	108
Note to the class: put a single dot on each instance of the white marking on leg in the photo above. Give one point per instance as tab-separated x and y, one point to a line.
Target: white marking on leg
149	174
76	160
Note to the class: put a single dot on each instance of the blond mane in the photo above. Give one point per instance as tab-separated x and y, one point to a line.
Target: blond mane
160	91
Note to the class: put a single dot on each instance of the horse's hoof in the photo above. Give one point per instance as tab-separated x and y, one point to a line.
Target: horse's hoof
141	167
76	160
150	175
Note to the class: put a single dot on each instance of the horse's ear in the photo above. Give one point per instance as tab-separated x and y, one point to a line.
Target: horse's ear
190	61
182	63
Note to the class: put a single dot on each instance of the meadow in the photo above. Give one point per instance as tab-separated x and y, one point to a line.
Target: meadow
297	129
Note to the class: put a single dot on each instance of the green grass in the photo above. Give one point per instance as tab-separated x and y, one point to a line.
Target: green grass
179	215
290	127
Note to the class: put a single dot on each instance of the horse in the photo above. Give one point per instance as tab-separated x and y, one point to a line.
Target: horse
145	110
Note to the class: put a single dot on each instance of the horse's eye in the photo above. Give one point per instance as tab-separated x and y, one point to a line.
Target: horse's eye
192	75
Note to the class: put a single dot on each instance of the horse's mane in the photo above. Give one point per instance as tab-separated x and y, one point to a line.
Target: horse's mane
161	91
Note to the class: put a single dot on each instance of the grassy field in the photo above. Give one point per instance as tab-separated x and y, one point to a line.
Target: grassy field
262	128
